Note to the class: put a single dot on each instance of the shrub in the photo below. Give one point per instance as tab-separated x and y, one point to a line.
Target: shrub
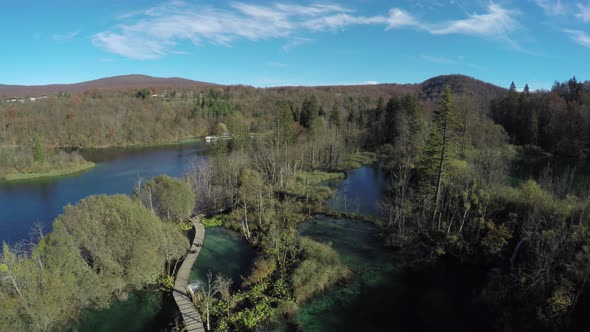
171	199
321	267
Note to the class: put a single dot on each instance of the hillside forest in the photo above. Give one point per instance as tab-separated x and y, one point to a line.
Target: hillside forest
446	145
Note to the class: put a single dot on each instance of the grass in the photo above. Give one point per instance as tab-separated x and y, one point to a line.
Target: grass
298	186
187	140
357	160
319	270
158	144
50	173
317	177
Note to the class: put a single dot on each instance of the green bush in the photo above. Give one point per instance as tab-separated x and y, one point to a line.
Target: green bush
321	267
214	221
171	199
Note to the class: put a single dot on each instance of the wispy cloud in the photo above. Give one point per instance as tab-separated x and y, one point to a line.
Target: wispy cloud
396	18
579	37
436	59
154	32
294	42
584	12
458	61
552	7
497	21
65	37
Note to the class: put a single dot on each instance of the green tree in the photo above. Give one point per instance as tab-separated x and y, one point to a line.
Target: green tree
284	129
309	112
38	149
533	129
438	149
393	106
334	116
380	110
414	118
169	198
107	245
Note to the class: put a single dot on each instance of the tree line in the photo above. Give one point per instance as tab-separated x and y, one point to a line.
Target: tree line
555	121
449	196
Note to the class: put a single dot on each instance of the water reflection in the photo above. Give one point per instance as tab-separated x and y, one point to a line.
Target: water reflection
361	191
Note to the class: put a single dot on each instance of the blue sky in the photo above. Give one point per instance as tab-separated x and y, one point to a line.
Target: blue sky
265	43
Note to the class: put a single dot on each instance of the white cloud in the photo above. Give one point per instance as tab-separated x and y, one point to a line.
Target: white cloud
64	37
552	7
496	22
312	10
153	33
397	18
579	37
584	13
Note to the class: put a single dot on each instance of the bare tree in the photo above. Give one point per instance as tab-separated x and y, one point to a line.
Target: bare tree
223	287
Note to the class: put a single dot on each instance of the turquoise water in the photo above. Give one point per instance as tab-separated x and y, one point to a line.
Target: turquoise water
382	296
223	252
141	311
363	253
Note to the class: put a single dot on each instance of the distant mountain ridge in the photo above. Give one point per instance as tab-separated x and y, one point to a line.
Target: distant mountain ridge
429	89
107	83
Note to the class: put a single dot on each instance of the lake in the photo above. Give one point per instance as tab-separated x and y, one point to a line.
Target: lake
24	203
361	191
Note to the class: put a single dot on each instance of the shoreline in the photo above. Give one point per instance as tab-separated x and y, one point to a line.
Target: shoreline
14	177
186	140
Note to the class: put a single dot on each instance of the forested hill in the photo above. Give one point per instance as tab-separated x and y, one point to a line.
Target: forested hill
434	87
429	89
108	83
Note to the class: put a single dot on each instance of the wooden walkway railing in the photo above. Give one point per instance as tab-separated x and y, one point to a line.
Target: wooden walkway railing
190	315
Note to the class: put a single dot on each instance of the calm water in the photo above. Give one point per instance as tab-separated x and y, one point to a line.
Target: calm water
360	192
383	297
141	312
23	204
223	252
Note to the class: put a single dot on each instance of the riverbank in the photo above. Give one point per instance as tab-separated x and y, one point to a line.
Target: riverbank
68	170
184	140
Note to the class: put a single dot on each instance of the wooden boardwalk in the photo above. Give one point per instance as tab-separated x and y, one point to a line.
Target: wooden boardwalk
190	315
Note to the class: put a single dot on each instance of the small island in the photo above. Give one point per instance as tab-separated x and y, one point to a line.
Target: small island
24	163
